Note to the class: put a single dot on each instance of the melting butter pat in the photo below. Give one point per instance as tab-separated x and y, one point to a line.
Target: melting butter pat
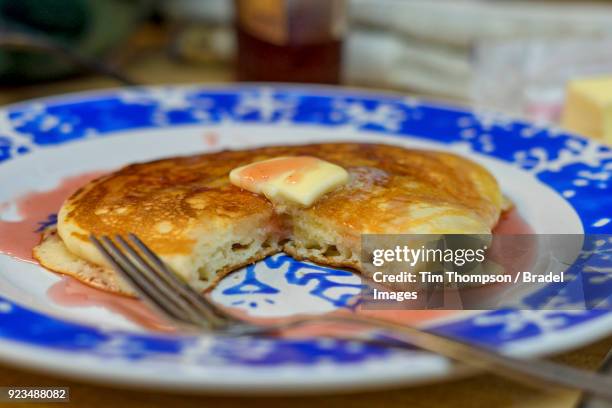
298	179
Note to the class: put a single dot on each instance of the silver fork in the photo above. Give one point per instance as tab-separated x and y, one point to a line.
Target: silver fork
181	305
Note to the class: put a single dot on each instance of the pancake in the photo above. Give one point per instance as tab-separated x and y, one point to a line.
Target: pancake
204	227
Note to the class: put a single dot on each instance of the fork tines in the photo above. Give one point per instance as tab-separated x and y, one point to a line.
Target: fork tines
156	284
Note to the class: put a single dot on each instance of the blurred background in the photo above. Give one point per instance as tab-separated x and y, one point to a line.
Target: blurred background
547	61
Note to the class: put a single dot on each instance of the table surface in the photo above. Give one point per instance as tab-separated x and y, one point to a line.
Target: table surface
149	65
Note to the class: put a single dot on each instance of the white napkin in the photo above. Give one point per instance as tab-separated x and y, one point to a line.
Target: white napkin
385	59
464	22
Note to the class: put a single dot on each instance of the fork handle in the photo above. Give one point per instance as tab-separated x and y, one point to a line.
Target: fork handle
530	371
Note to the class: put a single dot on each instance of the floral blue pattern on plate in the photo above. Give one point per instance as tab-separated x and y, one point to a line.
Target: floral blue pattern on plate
577	169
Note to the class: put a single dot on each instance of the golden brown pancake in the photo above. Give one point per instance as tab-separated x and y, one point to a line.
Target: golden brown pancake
187	211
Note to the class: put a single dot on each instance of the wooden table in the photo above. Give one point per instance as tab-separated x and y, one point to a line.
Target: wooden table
149	65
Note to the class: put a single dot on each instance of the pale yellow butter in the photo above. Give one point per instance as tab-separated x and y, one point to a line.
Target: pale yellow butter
300	179
588	108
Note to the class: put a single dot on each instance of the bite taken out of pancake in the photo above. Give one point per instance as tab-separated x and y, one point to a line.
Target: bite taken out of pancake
204	227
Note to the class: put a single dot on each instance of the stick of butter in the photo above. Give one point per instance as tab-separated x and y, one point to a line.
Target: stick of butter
298	179
588	108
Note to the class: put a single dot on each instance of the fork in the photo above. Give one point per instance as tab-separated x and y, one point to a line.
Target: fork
183	306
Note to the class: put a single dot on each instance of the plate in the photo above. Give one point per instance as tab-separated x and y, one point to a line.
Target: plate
559	182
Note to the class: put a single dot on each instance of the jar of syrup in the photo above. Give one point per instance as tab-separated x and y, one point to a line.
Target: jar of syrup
290	40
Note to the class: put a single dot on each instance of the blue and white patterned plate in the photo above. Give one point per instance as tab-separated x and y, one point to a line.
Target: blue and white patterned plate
560	183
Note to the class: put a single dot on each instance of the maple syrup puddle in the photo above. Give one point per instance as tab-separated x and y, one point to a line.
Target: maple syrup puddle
38	209
70	292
